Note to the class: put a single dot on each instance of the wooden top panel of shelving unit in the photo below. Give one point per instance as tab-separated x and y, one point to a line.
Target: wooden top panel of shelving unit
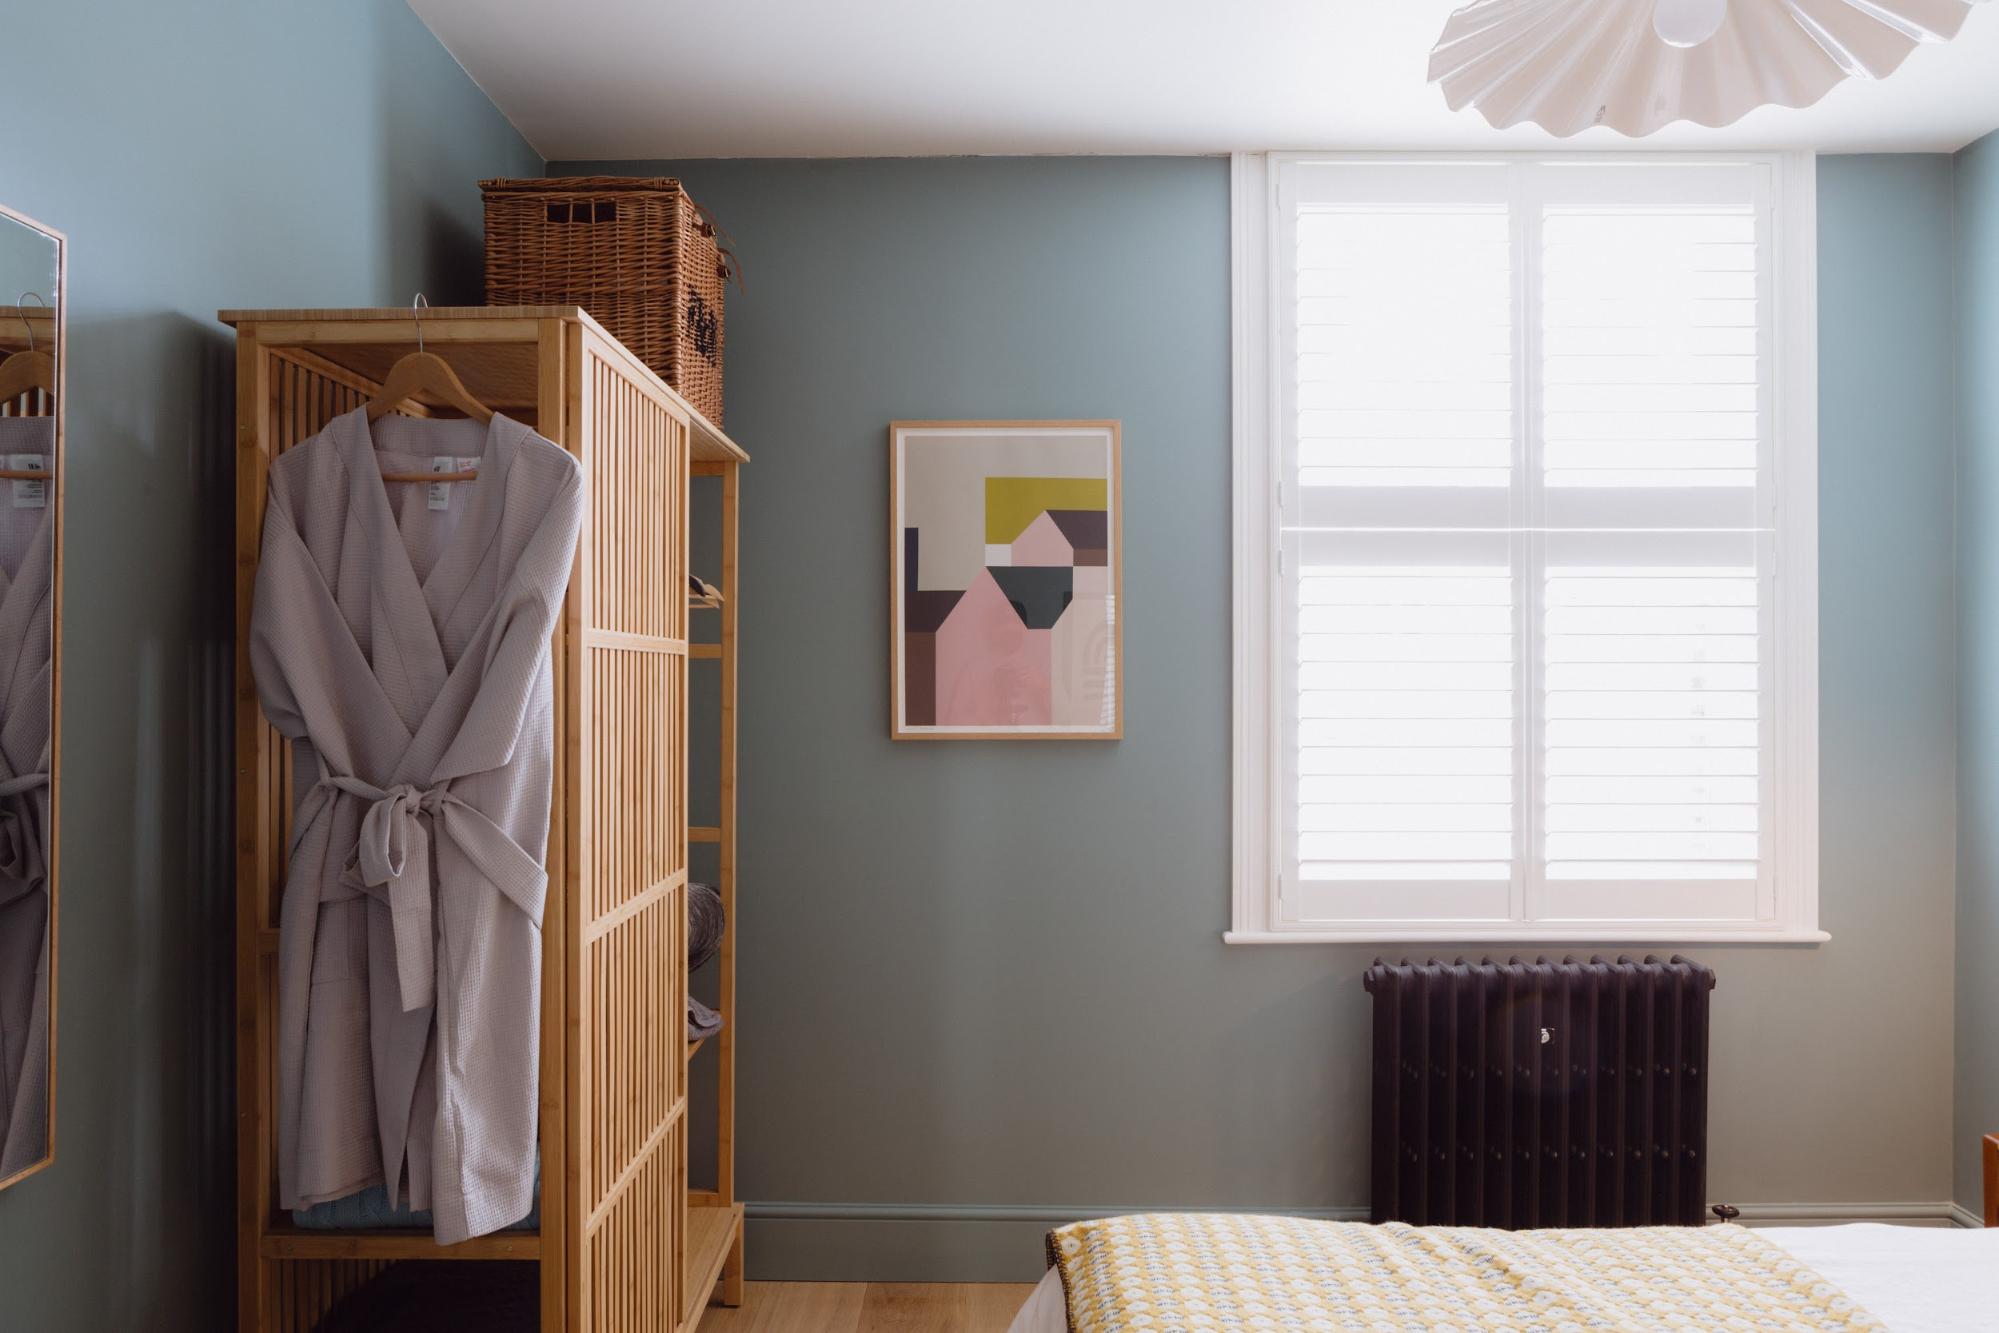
496	363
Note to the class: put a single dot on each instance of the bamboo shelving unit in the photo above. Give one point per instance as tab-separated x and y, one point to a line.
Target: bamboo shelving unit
622	1246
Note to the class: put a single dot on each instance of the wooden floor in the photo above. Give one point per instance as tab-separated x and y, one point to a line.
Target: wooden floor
869	1307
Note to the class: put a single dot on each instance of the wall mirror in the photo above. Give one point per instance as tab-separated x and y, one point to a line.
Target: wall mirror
32	348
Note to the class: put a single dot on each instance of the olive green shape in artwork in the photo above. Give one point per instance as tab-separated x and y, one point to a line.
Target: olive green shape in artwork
1014	502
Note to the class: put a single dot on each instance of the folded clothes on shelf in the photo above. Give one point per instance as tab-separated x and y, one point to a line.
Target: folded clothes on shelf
702	1021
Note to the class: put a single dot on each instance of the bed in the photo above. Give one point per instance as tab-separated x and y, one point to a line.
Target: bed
1920	1280
1221	1271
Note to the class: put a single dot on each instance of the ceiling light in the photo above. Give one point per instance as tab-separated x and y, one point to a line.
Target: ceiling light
1638	65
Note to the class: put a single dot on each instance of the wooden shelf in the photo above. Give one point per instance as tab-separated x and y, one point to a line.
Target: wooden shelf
307	1243
711	1233
695	1045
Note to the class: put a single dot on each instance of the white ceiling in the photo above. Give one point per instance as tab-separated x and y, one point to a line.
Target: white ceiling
876	78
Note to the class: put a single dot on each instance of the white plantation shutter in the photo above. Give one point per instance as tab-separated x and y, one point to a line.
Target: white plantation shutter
1525	612
1405	722
1649	346
1651	719
1407	661
1652	334
1405	333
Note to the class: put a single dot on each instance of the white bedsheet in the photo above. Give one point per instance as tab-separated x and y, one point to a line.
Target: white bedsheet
1913	1279
1918	1279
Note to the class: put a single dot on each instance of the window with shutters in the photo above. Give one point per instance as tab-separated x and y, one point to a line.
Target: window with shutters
1526	598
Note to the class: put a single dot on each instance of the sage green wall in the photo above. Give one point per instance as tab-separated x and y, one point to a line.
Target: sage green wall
1977	1006
983	985
230	152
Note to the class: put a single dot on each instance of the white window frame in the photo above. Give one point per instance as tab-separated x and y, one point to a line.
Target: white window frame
1788	913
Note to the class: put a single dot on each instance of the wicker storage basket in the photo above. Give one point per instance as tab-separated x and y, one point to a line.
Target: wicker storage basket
635	252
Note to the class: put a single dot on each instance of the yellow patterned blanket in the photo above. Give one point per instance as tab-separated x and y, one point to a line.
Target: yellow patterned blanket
1167	1272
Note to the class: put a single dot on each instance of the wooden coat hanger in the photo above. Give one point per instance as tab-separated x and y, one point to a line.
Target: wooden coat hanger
423	372
26	372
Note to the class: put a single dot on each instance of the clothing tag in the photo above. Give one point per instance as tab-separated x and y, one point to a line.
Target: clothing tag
440	491
29	494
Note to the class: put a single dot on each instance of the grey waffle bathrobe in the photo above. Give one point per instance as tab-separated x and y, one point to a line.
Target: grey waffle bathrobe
405	650
27	550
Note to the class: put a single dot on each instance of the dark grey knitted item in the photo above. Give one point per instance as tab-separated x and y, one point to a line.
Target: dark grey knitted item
701	1020
704	936
704	924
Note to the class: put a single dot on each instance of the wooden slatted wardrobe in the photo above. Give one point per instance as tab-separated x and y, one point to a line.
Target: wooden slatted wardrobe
622	1246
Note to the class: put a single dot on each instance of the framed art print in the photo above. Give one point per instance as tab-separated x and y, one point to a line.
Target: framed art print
1006	564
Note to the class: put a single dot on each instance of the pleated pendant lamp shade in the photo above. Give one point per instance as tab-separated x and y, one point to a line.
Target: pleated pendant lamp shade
1637	65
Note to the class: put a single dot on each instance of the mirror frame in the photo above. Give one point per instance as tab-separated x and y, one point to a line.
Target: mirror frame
60	486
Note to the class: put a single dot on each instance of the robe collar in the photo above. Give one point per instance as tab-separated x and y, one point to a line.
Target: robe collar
411	611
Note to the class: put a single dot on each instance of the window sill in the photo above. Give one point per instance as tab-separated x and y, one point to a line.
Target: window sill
1691	935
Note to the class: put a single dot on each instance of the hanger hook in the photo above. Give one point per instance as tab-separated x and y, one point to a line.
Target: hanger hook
417	307
41	301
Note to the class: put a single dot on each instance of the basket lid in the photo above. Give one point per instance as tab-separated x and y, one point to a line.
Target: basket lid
582	185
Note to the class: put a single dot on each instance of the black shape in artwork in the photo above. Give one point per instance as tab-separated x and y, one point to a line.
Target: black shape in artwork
1039	593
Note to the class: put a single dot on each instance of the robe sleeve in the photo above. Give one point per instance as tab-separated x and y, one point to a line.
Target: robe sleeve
277	570
292	622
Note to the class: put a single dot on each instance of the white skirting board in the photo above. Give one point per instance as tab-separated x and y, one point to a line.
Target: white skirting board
892	1242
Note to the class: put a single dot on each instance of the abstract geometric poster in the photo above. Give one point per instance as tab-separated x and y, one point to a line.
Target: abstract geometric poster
1005	571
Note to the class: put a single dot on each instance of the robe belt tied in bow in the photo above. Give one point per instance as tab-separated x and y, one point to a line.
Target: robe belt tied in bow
393	853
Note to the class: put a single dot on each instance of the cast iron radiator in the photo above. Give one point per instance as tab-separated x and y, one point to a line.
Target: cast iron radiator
1565	1094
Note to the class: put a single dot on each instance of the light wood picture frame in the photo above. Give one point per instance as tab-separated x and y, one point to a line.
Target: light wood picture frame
1006	580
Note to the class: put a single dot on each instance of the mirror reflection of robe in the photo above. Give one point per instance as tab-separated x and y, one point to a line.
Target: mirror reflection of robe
405	650
27	545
